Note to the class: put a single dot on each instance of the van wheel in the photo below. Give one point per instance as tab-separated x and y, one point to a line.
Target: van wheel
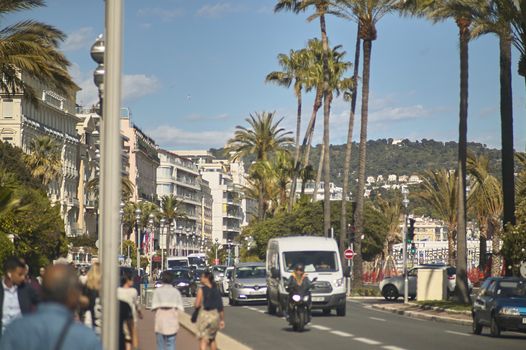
341	310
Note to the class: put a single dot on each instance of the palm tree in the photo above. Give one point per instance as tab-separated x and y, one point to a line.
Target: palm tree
294	66
439	192
366	13
486	195
31	47
261	185
127	188
391	210
321	9
171	208
283	168
306	175
262	138
492	18
463	12
515	13
129	219
44	159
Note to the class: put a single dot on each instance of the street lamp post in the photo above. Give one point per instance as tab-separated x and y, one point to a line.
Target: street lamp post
405	202
217	248
162	242
151	225
121	212
138	213
229	242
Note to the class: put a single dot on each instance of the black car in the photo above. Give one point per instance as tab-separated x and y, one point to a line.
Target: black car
500	305
181	278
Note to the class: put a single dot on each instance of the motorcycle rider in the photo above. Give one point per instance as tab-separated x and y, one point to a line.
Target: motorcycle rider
299	283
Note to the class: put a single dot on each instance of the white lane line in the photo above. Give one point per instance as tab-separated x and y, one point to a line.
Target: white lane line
391	347
368	341
341	334
321	328
458	333
378	319
260	311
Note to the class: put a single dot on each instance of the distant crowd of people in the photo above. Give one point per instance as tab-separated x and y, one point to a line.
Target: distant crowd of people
61	309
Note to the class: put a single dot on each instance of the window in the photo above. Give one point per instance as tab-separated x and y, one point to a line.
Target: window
7	108
314	261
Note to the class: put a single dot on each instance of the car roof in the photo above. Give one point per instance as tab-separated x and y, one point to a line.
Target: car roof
305	243
250	264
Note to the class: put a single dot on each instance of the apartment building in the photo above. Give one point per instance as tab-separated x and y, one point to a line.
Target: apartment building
336	193
53	115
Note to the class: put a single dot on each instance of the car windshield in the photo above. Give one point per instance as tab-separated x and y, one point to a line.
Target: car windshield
219	268
177	263
512	289
197	260
178	274
314	261
250	272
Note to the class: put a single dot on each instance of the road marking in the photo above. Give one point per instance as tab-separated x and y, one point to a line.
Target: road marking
260	311
390	347
377	319
321	328
458	333
368	341
341	334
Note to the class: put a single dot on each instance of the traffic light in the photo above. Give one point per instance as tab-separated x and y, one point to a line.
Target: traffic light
413	249
411	231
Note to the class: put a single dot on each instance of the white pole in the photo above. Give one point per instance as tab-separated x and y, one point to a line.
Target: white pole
111	184
406	281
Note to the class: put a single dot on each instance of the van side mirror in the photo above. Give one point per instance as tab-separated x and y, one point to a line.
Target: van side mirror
347	272
274	273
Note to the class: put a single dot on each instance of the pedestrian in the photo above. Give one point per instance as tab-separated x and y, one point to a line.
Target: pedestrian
92	309
16	297
42	271
128	294
167	303
52	326
211	317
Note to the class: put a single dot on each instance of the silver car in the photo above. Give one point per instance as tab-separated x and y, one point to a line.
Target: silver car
393	287
248	283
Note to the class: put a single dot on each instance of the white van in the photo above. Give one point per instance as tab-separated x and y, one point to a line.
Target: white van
321	259
173	262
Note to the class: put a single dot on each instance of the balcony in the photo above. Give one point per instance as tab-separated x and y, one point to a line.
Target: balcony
228	228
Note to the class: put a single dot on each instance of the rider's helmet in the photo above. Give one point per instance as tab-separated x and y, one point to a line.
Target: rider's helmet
299	267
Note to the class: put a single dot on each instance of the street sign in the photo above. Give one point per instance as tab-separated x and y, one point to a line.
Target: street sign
348	253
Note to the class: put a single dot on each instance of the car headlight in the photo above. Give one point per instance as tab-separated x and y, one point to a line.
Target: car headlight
296	297
339	282
511	311
182	284
306	298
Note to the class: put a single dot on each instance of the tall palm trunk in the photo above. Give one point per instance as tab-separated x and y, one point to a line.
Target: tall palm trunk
358	215
483	246
261	201
462	285
506	121
309	134
327	97
296	171
348	149
451	235
318	175
495	247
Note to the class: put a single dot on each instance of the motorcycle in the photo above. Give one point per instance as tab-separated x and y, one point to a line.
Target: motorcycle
299	309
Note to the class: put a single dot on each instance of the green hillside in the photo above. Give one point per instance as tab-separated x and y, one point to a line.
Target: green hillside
404	158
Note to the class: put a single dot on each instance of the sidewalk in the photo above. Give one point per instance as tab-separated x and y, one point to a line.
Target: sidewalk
184	340
414	310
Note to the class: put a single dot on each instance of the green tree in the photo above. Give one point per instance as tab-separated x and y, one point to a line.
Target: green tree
492	18
439	191
31	47
127	188
462	12
44	159
171	208
391	211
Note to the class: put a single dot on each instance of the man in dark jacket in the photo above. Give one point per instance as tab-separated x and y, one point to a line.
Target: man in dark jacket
16	297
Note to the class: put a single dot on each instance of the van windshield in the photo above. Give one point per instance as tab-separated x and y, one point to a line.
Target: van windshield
177	263
314	261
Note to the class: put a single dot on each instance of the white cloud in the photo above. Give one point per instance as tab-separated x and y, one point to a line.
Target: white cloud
217	9
79	39
138	85
170	136
165	15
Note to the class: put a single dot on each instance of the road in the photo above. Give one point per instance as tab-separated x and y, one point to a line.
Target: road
362	328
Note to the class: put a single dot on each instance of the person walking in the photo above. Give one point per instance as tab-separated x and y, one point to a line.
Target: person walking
167	303
52	326
129	295
91	309
16	297
211	316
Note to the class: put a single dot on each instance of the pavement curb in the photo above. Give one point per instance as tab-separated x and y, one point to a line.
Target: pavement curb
441	309
224	342
423	316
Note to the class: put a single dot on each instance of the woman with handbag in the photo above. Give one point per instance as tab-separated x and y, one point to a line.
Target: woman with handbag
211	315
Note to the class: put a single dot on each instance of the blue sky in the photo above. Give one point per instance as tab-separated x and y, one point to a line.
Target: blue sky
194	69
